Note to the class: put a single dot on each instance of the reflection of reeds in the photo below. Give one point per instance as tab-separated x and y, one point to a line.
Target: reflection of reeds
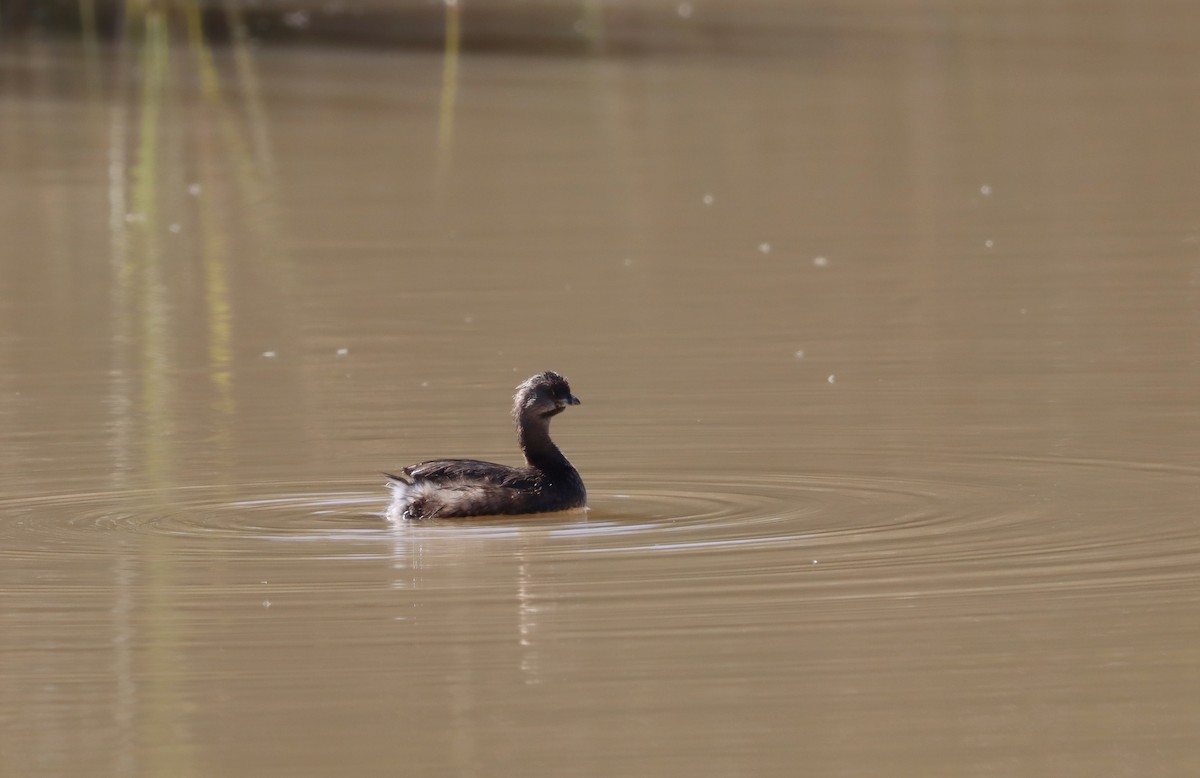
445	143
214	256
162	656
147	254
89	31
592	24
160	146
177	169
121	395
247	76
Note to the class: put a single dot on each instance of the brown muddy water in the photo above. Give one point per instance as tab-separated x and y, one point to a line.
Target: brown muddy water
886	333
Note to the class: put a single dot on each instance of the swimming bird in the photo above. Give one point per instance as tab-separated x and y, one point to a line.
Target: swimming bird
447	488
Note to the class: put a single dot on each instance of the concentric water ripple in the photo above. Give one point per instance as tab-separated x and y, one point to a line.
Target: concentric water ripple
1054	525
212	515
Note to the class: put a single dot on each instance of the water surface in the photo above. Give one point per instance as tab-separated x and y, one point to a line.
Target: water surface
885	331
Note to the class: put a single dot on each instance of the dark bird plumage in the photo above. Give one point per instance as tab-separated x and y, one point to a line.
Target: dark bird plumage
446	488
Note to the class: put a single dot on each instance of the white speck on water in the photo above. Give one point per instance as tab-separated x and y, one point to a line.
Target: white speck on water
800	354
708	199
269	354
424	384
987	244
684	10
175	228
821	261
814	561
831	379
343	352
296	19
764	248
985	190
194	190
266	603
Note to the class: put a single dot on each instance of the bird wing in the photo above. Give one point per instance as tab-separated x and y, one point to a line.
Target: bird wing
451	471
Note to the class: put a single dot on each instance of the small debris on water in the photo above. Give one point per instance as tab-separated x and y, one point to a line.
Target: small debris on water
831	379
194	190
296	19
266	603
269	354
800	354
175	228
821	261
985	190
764	248
684	10
987	244
343	352
708	199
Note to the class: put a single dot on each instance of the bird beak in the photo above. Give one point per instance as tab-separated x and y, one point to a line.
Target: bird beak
572	400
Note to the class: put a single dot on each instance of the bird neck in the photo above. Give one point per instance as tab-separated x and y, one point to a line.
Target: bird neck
533	433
